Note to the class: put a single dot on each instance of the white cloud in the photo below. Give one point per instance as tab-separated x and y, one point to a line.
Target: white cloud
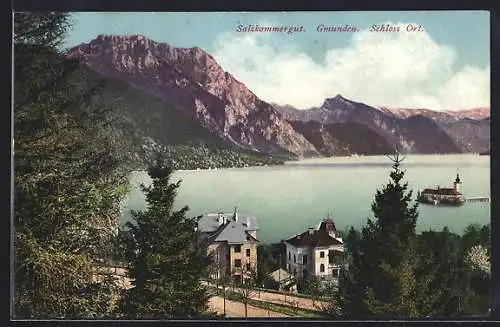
392	69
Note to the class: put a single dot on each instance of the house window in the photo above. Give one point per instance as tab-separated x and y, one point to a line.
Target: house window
237	263
304	274
330	257
289	267
289	256
294	258
237	248
322	268
322	254
248	252
248	267
335	273
304	259
295	271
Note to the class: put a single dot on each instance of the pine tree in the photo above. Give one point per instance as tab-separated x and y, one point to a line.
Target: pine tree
351	287
383	265
68	177
165	265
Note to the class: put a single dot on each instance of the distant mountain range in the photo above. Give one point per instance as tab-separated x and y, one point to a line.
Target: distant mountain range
413	130
180	97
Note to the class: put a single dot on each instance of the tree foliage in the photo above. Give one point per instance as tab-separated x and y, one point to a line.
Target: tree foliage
164	264
68	177
381	278
393	272
448	284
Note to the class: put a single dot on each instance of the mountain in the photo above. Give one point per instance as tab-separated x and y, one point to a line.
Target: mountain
470	135
470	129
342	139
475	113
182	100
145	123
413	130
190	81
447	115
411	134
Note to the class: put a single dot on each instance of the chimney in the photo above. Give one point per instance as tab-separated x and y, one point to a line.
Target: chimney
311	230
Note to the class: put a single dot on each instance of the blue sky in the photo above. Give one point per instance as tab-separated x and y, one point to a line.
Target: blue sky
445	67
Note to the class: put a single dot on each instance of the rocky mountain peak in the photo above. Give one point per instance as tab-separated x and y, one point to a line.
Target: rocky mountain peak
194	83
337	101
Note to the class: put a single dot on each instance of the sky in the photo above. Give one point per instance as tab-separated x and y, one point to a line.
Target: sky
443	65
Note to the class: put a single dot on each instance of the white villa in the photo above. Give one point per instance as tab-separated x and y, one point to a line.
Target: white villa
316	252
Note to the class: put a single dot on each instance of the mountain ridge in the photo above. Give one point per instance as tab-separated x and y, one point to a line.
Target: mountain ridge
397	125
190	81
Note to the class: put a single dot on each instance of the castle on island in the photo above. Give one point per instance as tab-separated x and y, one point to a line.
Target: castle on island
443	196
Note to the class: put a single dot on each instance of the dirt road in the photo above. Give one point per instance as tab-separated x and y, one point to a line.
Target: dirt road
237	309
294	301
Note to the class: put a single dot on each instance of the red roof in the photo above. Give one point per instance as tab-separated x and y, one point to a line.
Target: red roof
315	238
441	191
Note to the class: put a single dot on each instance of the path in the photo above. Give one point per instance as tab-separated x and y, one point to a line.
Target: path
294	301
237	310
279	298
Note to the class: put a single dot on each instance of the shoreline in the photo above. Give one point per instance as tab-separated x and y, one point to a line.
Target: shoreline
311	161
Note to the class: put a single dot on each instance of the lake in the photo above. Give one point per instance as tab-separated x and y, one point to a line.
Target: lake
288	199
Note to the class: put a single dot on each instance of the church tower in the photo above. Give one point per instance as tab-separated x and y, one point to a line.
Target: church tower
456	184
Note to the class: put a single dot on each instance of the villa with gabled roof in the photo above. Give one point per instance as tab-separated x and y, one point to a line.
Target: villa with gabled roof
315	252
231	240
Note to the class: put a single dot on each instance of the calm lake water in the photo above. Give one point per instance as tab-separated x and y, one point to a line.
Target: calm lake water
288	199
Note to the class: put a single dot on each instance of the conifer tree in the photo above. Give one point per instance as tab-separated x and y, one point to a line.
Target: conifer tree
382	271
68	177
351	289
165	266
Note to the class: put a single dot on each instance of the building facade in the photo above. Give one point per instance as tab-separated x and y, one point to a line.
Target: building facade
452	196
231	241
316	252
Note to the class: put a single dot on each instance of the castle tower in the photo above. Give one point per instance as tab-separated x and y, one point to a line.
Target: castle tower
235	214
456	184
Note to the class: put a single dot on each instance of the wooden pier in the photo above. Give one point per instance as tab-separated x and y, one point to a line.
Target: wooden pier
478	199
